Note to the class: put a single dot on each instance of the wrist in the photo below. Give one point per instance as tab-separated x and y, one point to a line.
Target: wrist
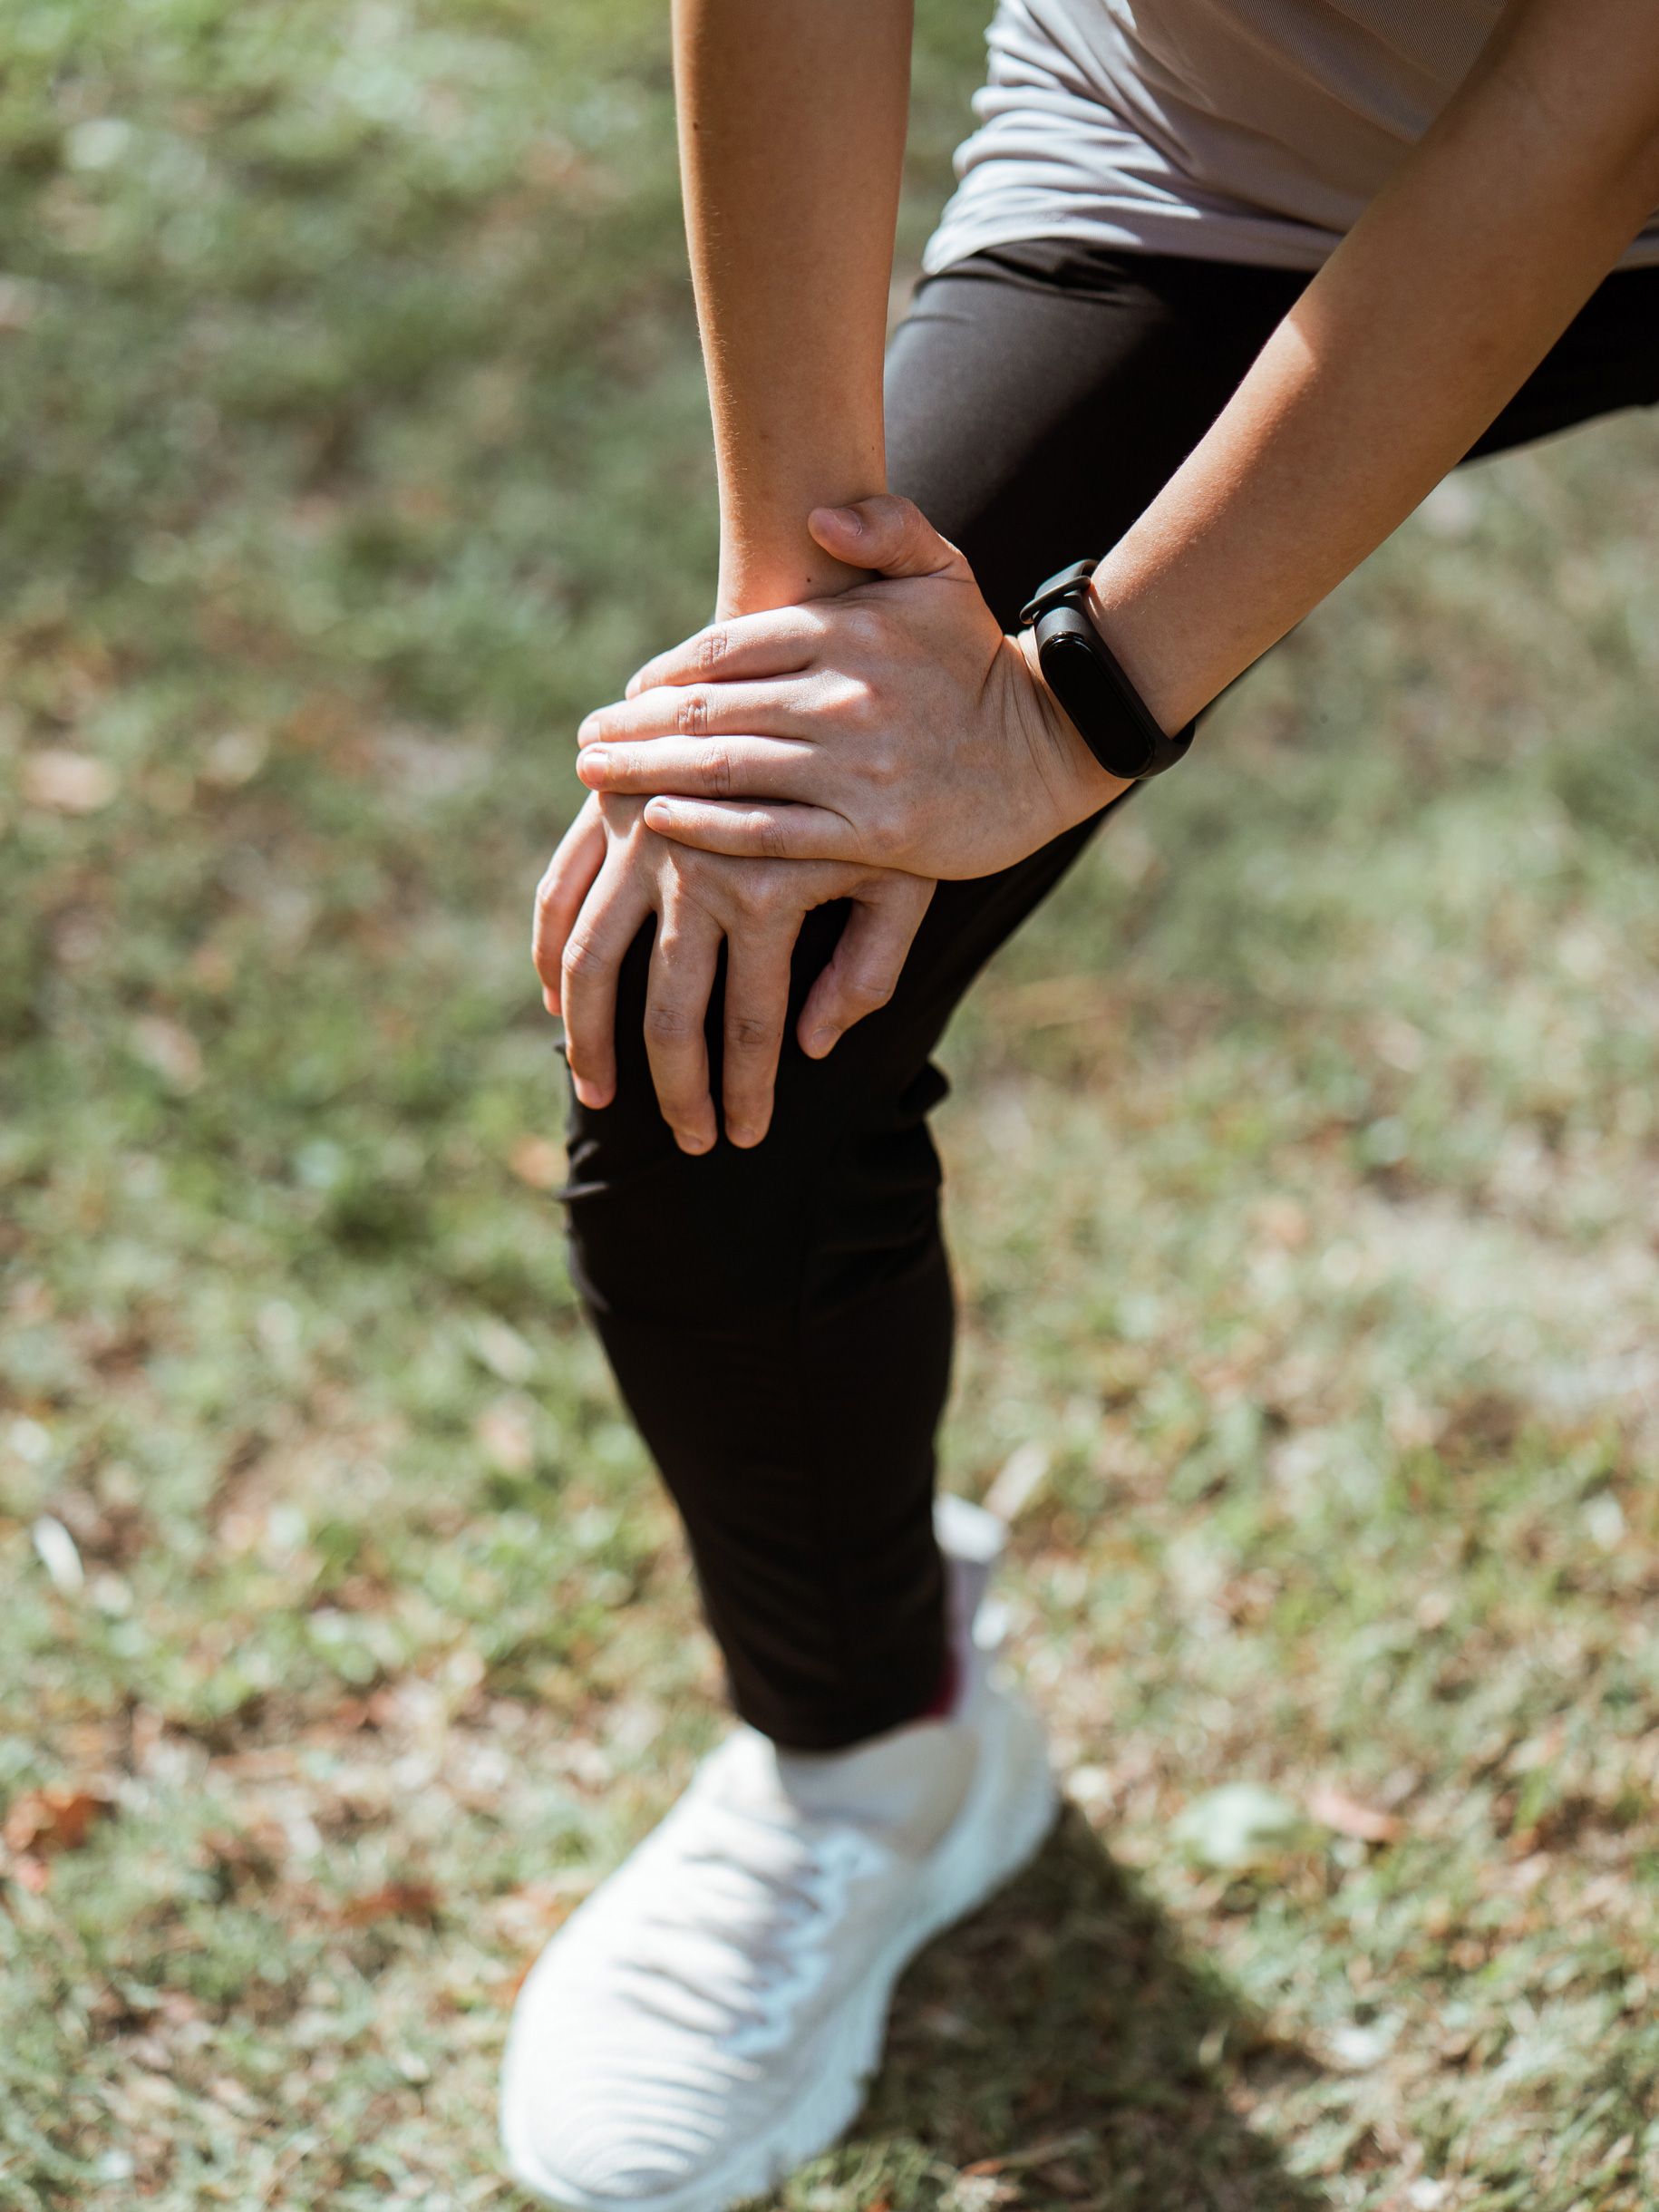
1082	787
761	586
1152	652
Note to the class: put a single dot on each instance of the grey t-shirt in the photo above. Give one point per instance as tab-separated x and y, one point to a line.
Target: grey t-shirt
1236	130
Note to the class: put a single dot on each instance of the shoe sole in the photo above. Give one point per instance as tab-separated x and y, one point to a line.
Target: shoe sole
966	1872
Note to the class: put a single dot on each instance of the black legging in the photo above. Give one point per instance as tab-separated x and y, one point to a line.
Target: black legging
780	1319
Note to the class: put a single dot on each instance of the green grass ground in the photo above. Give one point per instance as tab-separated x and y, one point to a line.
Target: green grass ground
1306	1185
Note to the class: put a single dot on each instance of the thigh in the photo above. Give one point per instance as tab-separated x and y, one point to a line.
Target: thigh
1040	395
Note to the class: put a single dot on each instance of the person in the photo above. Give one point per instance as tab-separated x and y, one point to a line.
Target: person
1226	287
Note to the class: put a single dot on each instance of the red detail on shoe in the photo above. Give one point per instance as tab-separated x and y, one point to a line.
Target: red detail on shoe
944	1696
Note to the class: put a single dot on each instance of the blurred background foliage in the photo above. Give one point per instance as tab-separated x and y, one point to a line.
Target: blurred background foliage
1306	1162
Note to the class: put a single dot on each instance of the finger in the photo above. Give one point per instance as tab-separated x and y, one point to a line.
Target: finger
703	767
777	642
866	965
607	923
757	1008
568	880
683	963
750	832
776	708
889	534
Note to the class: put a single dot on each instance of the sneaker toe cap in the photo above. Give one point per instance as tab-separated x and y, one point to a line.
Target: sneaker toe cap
590	2151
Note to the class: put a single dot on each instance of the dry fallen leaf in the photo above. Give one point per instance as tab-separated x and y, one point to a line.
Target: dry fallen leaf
1281	1221
68	782
1239	1825
505	1991
395	1901
1035	2157
19	303
59	1555
1018	1483
507	1432
169	1049
56	1819
1332	1808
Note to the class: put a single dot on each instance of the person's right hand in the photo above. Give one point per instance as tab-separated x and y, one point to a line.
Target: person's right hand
610	873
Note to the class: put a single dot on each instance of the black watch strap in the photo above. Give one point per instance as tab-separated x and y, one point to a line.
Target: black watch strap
1080	668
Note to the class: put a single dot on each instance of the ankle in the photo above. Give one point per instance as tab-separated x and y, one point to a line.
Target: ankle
948	1689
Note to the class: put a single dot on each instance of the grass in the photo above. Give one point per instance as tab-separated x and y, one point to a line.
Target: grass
1305	1184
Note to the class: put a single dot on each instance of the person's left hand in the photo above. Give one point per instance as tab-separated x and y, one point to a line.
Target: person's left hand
893	724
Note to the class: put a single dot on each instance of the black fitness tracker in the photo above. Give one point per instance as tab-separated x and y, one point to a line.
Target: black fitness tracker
1078	666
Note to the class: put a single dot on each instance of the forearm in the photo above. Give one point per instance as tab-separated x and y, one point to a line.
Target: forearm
791	137
1414	336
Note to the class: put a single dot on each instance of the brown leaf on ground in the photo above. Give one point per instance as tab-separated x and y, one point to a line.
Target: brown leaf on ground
1332	1808
507	1433
394	1901
505	1993
243	1858
67	783
168	1049
56	1819
1034	2156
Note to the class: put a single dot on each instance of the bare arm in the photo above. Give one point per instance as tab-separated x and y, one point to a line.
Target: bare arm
1423	323
792	118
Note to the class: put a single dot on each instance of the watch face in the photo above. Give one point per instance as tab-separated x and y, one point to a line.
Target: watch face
1085	690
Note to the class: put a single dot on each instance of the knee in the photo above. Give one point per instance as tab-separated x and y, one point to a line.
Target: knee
720	1238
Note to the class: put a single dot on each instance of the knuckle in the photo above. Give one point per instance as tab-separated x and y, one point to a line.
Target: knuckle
887	837
750	1031
867	627
582	957
859	707
760	894
712	647
669	1023
691	714
718	767
870	991
883	763
695	874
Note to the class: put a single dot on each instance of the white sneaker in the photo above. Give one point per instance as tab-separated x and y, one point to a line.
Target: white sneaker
710	2018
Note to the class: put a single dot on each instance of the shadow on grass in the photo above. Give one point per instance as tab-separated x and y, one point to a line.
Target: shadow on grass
1062	2038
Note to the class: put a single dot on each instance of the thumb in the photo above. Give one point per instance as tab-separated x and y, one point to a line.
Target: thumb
889	534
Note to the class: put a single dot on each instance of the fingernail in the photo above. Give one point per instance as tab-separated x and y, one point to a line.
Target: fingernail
587	1094
740	1134
820	1040
593	761
550	1002
849	518
689	1140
